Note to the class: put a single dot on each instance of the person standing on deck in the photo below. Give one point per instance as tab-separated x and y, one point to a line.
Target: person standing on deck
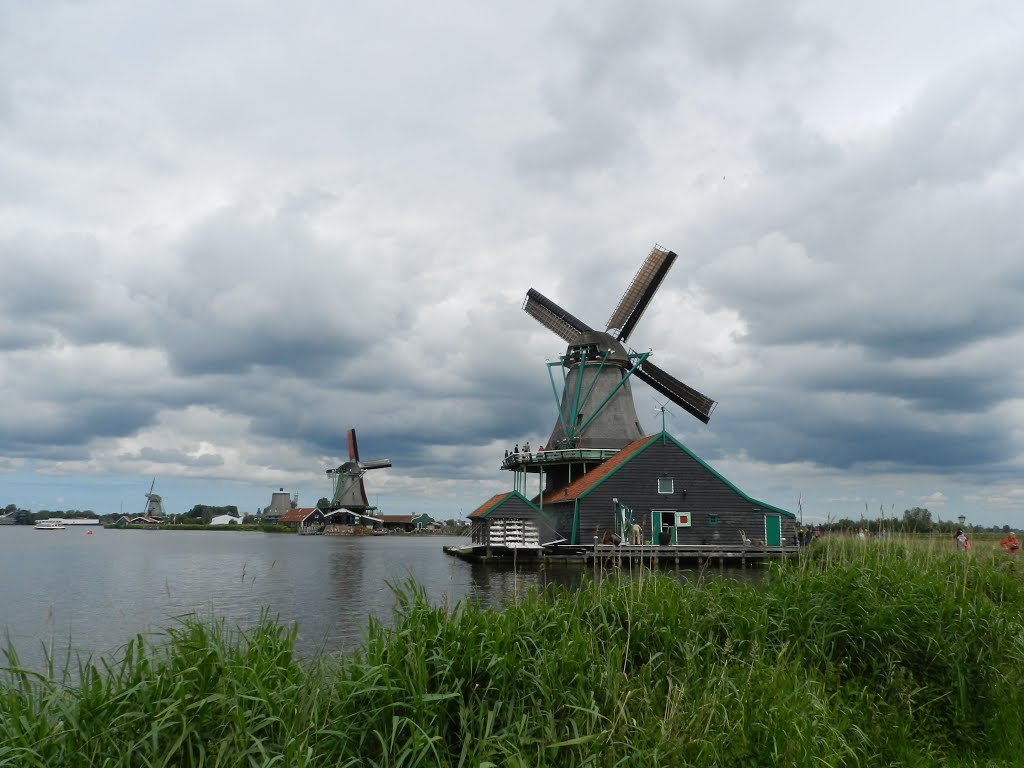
636	534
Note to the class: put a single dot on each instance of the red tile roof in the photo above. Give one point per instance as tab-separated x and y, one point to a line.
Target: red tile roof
488	505
582	484
296	515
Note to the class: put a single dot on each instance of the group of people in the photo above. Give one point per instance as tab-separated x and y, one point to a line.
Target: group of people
517	450
1009	543
806	534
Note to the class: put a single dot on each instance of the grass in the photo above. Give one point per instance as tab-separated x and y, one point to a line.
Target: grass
861	654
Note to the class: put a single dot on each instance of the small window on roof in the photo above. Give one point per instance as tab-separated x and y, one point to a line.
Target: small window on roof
712	519
665	485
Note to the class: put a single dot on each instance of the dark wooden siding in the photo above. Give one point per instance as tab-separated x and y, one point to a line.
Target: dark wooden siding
514	507
696	491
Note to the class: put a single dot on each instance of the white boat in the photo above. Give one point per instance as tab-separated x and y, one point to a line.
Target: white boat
50	525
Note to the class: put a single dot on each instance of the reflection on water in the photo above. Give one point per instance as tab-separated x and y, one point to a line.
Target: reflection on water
94	592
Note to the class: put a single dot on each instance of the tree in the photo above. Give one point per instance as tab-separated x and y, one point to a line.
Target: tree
917	519
324	504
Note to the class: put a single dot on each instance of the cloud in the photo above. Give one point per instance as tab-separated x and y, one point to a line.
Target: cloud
934	499
227	239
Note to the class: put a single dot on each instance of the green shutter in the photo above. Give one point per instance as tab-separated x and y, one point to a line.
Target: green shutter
655	526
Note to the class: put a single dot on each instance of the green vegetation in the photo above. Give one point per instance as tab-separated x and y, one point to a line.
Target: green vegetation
878	653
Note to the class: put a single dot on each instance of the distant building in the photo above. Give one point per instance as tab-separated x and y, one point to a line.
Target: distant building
655	481
406	523
226	520
304	519
280	504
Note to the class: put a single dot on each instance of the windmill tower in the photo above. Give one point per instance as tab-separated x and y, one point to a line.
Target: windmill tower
596	408
154	504
349	491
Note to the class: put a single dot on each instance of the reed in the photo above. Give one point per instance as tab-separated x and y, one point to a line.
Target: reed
860	654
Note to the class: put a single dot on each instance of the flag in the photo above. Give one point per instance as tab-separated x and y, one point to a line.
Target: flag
800	504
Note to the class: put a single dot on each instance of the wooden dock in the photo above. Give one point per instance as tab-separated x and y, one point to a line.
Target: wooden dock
671	555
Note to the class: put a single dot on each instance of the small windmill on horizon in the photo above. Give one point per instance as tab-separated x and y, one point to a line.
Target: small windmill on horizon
154	503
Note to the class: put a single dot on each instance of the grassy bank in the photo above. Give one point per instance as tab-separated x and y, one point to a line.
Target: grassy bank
862	654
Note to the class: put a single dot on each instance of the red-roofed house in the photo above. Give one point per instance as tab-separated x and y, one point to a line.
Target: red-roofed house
303	519
672	493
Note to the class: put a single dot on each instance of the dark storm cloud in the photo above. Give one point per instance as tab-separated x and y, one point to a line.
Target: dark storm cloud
609	89
73	426
56	288
256	288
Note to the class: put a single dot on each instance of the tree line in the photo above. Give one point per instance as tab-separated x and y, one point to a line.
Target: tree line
914	520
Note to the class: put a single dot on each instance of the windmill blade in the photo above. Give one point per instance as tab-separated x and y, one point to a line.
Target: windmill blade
353	446
684	396
640	292
377	464
553	317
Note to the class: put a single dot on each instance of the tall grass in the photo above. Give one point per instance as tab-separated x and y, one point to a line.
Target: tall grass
861	654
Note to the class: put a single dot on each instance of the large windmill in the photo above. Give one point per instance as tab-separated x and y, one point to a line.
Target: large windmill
349	491
597	409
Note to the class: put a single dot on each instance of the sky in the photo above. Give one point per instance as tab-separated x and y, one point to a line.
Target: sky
230	231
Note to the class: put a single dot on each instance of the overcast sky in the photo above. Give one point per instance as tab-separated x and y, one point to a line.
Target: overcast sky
231	230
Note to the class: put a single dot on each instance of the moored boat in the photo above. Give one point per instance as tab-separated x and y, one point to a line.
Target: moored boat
49	525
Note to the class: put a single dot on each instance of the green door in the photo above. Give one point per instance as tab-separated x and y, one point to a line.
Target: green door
773	530
655	526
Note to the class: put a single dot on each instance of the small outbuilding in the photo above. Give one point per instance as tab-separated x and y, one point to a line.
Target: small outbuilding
511	521
406	523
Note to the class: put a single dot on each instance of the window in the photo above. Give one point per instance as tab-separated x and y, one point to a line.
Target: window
665	485
712	519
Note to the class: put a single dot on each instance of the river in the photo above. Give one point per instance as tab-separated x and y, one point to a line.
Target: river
92	592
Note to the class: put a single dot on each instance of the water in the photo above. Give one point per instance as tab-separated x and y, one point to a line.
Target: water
92	593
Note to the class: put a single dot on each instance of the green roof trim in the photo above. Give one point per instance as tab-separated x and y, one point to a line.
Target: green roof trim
699	460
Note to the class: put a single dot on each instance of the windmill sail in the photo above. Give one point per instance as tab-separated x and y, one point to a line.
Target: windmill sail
552	316
684	396
640	292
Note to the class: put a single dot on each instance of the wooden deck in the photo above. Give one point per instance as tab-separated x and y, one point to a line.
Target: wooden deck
677	555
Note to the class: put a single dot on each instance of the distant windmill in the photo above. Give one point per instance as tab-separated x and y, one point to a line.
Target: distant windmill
597	408
154	504
349	492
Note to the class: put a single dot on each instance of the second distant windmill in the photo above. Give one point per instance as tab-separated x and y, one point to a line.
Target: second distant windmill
349	491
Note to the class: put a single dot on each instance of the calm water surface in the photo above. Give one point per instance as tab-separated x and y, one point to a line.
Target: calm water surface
92	593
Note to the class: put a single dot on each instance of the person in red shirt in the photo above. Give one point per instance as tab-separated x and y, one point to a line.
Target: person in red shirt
1010	544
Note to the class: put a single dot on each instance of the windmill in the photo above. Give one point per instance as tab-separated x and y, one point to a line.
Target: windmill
349	492
154	504
597	408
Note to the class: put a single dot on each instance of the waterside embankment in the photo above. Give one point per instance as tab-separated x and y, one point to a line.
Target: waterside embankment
858	654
